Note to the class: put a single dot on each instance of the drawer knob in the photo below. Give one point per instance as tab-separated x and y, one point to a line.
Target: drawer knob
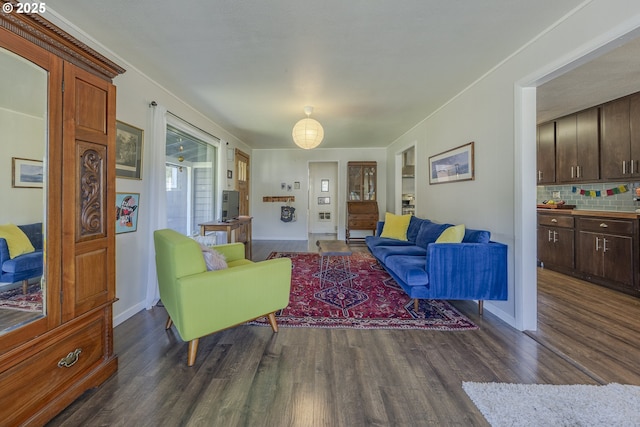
70	359
554	220
604	225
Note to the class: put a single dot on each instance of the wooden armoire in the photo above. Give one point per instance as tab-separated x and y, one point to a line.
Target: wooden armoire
48	362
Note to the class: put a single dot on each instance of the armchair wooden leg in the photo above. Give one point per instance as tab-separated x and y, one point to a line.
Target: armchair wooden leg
480	307
272	321
416	303
25	285
193	350
169	322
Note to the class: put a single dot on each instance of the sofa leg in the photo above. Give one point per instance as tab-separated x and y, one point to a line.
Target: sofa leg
193	350
169	322
480	307
25	285
272	321
415	304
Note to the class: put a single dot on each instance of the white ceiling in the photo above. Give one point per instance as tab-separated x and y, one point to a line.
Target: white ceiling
372	69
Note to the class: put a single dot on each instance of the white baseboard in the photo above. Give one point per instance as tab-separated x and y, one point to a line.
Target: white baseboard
121	317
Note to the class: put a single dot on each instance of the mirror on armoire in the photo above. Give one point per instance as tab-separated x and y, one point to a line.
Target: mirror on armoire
23	187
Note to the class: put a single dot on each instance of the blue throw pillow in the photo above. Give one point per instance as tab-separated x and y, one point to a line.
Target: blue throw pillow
429	232
414	228
476	236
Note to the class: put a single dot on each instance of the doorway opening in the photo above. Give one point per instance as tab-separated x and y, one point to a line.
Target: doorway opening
323	200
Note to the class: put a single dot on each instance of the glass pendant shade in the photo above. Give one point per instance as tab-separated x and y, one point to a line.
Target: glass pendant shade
307	133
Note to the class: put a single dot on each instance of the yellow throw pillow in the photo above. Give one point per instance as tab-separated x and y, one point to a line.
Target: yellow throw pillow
17	241
395	226
453	234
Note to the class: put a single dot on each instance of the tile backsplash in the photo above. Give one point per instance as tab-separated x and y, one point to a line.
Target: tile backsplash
623	202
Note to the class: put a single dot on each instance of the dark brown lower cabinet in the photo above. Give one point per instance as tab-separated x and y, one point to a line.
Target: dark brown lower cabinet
556	241
602	250
606	249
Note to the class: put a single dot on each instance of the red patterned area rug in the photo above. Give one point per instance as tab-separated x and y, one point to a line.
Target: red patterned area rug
16	300
368	298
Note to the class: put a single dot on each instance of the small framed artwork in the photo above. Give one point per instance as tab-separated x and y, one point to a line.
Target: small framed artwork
26	173
127	205
324	200
229	174
324	185
128	151
453	165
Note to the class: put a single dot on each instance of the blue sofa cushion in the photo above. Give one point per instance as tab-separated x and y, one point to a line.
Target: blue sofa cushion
372	241
24	262
429	232
383	252
476	236
409	269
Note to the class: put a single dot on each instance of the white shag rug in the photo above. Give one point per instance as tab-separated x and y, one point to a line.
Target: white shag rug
556	405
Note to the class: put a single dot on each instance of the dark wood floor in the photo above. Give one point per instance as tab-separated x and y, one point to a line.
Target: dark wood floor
248	376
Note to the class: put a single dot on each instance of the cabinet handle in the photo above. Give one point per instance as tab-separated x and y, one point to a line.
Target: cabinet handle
577	171
539	175
555	236
597	244
554	220
604	245
70	359
631	166
604	225
571	171
549	238
624	167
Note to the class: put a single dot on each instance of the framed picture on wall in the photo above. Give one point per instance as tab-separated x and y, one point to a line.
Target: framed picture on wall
127	212
26	173
128	151
452	165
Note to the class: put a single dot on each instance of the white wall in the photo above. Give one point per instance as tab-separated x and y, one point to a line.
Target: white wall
500	117
270	168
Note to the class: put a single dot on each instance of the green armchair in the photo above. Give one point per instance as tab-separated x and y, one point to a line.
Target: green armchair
201	302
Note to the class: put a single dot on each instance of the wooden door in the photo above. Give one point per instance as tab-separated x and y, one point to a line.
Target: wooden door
587	145
618	259
88	192
566	148
589	260
614	148
546	153
242	185
634	129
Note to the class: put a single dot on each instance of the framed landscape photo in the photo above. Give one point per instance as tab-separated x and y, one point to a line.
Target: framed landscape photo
128	151
26	173
127	212
453	165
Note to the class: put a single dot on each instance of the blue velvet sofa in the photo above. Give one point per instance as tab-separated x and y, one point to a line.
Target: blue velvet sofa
475	269
25	266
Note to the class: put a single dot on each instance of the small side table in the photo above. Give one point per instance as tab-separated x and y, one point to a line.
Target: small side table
334	248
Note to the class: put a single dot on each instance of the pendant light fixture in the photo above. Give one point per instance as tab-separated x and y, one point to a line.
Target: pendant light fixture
308	133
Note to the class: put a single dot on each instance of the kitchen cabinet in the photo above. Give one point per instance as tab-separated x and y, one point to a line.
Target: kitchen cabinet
48	362
556	241
606	249
577	147
546	153
620	146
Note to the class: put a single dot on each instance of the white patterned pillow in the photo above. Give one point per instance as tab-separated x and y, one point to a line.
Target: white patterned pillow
214	259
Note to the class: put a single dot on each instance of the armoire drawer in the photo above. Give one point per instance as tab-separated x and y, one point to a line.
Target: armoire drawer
33	381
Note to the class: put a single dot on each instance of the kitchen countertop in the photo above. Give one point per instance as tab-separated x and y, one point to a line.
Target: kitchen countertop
585	212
